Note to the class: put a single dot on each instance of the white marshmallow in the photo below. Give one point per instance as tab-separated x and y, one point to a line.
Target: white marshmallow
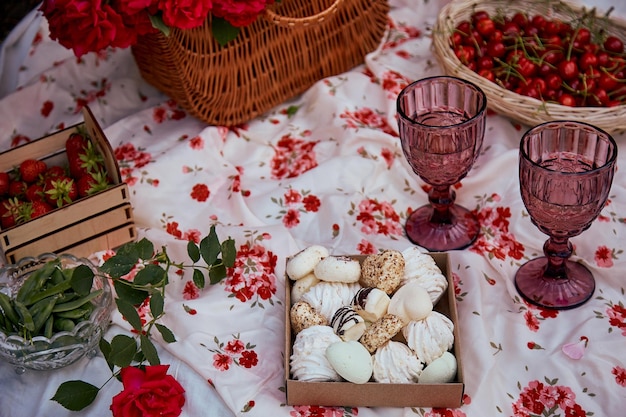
308	359
430	337
394	362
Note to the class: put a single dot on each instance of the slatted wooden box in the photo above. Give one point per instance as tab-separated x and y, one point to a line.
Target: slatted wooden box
101	221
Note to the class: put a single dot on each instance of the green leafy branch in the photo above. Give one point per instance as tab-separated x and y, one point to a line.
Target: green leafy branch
148	284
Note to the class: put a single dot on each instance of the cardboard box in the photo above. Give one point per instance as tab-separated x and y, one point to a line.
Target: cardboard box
101	221
373	394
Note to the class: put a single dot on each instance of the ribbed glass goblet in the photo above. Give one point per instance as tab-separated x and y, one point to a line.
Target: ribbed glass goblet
566	170
442	123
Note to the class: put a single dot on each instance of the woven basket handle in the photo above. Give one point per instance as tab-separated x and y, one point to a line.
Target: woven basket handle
317	18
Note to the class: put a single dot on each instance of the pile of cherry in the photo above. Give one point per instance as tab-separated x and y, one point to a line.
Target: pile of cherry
573	63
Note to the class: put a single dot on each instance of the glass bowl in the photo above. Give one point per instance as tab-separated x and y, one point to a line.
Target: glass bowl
64	347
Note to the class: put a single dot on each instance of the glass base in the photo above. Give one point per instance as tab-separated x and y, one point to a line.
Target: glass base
554	293
459	233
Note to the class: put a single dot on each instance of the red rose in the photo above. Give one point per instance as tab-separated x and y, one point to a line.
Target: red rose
149	392
86	26
185	14
239	13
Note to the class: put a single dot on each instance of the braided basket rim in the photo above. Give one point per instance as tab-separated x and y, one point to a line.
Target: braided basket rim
518	107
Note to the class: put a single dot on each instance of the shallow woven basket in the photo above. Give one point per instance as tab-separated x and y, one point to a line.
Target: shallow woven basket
283	53
518	107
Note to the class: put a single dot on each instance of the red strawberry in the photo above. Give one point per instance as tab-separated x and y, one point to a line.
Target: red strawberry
75	144
34	192
82	156
17	188
31	169
35	209
4	183
10	212
92	183
55	171
60	191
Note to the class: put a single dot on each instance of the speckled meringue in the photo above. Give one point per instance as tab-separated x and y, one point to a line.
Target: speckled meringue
308	358
431	337
327	297
394	362
422	268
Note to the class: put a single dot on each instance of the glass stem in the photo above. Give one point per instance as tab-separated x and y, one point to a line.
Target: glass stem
558	251
441	198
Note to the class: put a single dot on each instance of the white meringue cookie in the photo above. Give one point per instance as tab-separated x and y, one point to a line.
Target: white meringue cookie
440	371
308	358
303	262
301	286
351	360
411	303
394	362
429	338
421	267
338	269
328	297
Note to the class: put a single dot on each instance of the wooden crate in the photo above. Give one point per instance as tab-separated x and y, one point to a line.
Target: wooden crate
101	221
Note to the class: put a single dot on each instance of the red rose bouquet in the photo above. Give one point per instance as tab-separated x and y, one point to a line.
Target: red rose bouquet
93	25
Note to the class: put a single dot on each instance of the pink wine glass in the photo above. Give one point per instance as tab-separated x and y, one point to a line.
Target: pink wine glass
566	169
442	124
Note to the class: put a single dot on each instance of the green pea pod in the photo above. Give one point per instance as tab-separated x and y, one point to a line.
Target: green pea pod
36	280
8	310
41	312
77	313
48	292
48	329
66	297
26	318
71	305
5	324
58	276
62	324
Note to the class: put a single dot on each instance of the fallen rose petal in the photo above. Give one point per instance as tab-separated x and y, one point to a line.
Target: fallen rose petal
575	350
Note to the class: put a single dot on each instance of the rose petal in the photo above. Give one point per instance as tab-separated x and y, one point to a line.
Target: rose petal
574	350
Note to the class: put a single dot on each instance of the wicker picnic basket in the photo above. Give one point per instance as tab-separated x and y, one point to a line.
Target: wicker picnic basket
521	108
291	46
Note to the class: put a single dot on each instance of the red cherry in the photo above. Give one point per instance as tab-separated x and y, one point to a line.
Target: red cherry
568	70
614	44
